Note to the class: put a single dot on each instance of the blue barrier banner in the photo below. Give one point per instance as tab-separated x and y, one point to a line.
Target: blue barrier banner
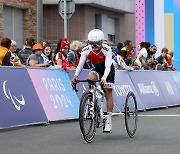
176	79
19	103
148	89
55	92
122	86
81	87
168	87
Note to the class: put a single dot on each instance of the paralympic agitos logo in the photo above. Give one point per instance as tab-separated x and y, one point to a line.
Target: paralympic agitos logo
16	101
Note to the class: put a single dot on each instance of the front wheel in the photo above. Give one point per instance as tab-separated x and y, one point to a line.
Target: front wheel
131	114
87	117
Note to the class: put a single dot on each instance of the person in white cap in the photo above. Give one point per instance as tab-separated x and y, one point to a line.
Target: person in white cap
100	55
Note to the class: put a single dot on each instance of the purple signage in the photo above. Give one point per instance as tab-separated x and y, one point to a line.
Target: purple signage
20	104
168	87
55	92
148	89
121	88
176	79
81	87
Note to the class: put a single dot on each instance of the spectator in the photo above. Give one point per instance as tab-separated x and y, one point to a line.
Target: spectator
118	49
5	54
14	56
142	56
26	51
127	45
151	59
169	61
76	47
132	57
141	45
35	59
119	61
45	42
47	54
162	60
61	52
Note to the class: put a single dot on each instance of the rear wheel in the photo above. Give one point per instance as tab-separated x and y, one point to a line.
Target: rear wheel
87	117
131	114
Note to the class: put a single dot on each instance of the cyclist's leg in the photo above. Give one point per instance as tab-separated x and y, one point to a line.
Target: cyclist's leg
108	90
108	124
109	99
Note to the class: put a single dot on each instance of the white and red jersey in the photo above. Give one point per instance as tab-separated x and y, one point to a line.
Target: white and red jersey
119	63
102	61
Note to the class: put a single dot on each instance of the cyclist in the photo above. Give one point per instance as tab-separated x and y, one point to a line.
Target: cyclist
101	57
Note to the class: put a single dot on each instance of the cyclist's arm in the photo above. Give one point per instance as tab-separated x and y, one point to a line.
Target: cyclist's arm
81	63
108	62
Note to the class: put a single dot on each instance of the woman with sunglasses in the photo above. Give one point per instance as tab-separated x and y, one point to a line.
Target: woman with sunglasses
100	55
60	57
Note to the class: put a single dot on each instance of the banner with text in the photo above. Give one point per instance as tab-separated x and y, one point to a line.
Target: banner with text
54	89
168	87
176	79
121	88
81	87
148	89
19	103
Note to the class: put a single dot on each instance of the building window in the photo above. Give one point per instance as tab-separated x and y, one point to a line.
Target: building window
111	38
98	21
13	24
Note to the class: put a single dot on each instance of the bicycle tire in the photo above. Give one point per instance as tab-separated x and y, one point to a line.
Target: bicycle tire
87	118
131	114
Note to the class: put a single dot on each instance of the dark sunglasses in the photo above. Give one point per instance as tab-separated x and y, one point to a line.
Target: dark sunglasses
95	42
65	48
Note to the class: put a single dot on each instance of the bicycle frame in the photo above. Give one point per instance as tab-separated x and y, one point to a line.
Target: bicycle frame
92	115
97	92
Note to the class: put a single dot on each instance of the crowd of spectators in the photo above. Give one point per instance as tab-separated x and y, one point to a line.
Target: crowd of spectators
67	55
145	59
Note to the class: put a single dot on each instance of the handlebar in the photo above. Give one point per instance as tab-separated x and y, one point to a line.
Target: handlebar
91	82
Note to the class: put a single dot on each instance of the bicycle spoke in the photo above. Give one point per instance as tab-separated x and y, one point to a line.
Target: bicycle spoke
131	114
87	117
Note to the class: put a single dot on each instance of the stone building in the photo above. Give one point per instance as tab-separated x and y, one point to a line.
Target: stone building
18	19
115	18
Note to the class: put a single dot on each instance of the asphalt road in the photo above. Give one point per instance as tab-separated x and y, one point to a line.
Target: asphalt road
158	133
